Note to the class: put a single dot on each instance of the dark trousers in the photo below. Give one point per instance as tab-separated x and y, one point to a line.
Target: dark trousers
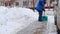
40	16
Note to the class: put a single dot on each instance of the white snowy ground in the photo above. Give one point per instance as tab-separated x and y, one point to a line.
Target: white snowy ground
15	19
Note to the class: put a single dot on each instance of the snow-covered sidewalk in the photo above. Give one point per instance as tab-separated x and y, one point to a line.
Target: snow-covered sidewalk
41	27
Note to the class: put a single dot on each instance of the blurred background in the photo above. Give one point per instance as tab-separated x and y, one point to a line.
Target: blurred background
26	3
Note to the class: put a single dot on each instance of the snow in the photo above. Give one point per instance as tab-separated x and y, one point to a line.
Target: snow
13	18
17	18
51	28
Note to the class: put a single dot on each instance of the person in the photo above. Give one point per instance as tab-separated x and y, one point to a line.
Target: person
40	8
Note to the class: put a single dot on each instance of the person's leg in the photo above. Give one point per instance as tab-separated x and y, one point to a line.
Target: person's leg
40	16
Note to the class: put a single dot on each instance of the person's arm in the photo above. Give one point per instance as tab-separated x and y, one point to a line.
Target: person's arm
42	5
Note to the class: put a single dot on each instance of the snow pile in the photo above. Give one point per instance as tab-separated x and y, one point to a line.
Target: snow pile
3	11
20	12
14	19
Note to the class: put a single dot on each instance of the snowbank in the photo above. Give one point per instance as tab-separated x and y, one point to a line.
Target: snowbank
14	19
3	12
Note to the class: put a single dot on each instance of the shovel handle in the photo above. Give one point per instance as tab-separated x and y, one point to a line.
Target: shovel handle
44	13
